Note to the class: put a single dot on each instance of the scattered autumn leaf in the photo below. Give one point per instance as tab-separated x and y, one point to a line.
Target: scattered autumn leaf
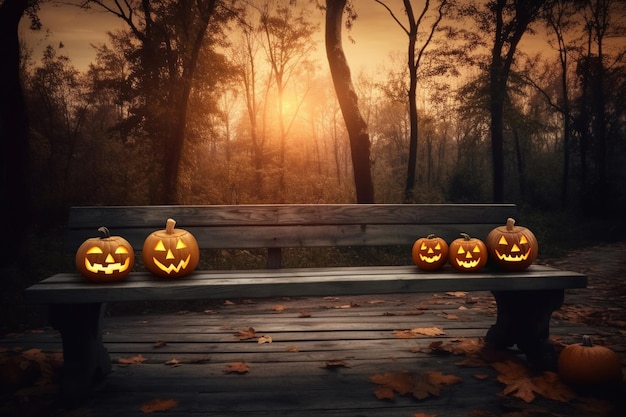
424	415
418	332
174	363
419	386
279	308
292	349
158	405
457	293
237	368
304	315
246	334
521	383
265	339
131	360
159	344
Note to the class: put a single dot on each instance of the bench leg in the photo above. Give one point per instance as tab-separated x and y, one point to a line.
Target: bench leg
524	320
85	359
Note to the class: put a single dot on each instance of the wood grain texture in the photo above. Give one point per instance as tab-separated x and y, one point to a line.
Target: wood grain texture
72	288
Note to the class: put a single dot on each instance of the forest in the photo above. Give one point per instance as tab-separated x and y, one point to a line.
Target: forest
228	102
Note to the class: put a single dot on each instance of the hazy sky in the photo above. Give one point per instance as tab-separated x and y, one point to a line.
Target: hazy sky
374	33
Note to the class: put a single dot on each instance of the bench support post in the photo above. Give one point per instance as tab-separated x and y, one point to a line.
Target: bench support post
524	320
85	359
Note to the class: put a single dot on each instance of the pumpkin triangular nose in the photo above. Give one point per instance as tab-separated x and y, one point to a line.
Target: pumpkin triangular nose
170	255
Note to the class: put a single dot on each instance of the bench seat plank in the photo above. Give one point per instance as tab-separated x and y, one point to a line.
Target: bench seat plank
71	288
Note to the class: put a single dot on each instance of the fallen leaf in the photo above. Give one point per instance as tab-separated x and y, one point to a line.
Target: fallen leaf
419	386
158	405
174	363
279	308
304	315
237	368
159	344
418	332
521	383
292	349
132	360
246	334
457	293
264	339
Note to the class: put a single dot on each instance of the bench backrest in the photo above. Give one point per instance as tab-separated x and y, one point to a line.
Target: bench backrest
288	226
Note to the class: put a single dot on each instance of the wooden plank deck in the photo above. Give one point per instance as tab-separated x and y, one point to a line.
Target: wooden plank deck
291	376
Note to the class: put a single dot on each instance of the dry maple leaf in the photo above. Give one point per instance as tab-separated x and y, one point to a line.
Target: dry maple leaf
264	339
419	386
152	406
521	383
418	332
237	368
132	360
174	363
246	334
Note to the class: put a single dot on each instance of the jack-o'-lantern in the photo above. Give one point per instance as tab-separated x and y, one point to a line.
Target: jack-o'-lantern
105	259
588	364
430	253
171	252
467	254
511	247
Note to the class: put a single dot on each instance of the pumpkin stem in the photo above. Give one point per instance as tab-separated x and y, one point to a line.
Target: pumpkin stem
465	236
587	342
430	236
169	226
510	224
105	232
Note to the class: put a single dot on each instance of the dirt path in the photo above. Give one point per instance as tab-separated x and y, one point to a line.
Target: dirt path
602	305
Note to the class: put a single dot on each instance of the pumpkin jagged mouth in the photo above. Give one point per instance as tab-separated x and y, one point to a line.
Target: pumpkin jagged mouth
172	267
430	259
468	264
107	269
513	258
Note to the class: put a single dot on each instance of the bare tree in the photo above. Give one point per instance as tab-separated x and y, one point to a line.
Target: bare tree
348	101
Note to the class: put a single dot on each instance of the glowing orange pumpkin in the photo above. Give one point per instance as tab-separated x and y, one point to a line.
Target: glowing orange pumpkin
430	253
467	254
170	253
105	259
511	247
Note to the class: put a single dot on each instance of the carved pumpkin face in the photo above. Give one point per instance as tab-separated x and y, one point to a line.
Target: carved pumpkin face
430	253
511	247
170	252
467	254
105	259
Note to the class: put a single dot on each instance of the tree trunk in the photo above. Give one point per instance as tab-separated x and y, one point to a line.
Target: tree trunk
14	184
348	101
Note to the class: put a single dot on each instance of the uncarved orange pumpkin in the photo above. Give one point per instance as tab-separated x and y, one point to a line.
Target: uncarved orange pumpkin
170	253
430	253
105	259
588	364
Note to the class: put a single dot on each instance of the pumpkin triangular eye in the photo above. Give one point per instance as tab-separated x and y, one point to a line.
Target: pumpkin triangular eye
461	250
476	249
121	250
503	241
180	244
94	249
160	246
423	246
523	240
438	246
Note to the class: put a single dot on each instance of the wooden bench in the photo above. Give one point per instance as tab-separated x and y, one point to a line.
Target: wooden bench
525	300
